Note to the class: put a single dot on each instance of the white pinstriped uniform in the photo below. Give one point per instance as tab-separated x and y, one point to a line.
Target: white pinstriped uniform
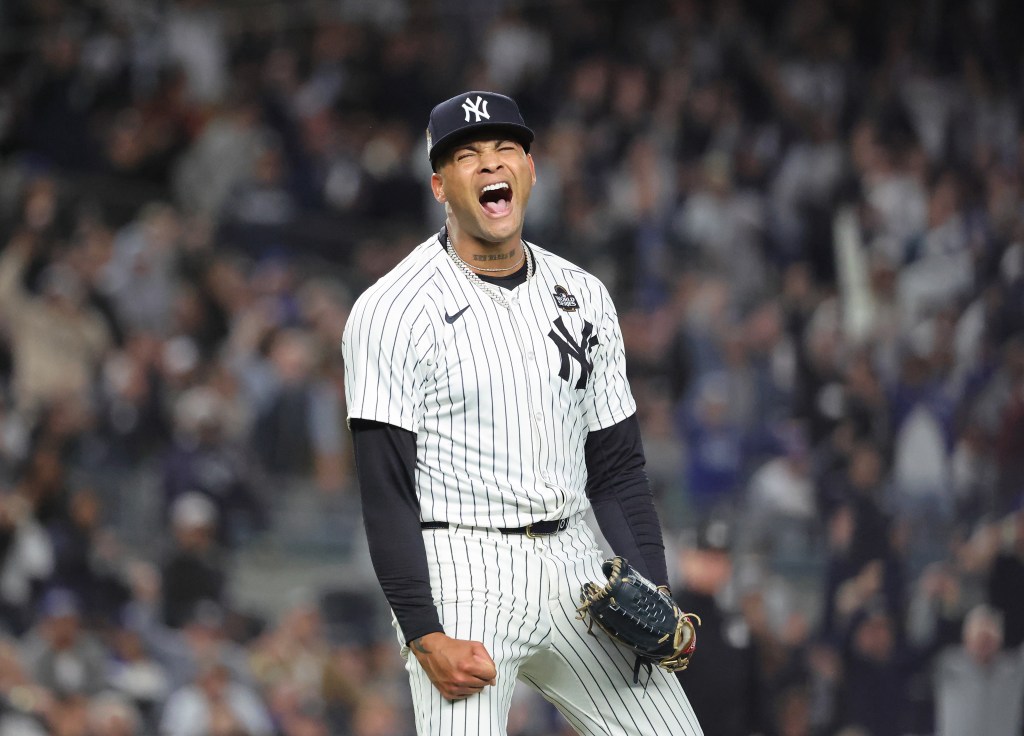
487	379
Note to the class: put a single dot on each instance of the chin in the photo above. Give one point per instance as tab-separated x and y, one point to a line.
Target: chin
502	230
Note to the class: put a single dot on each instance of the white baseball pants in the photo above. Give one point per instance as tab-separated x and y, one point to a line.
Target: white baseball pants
518	596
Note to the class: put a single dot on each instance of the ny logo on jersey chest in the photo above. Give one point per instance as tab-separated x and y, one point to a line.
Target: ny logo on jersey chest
569	349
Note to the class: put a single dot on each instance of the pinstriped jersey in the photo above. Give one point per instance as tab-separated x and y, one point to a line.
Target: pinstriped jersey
500	386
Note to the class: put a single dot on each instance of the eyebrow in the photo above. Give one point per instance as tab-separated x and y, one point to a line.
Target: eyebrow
474	145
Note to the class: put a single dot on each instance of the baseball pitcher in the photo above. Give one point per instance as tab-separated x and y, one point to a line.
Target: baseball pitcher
489	406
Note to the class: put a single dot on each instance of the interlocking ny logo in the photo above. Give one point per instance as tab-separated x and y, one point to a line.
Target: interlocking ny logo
569	348
478	108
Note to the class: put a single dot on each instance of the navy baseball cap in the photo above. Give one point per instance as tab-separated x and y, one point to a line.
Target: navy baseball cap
470	112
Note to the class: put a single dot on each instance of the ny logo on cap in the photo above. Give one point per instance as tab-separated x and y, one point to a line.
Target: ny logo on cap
478	108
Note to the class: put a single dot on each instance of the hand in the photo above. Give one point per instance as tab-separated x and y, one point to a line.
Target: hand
458	668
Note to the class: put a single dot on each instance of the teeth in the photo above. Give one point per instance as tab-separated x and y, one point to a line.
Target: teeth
492	187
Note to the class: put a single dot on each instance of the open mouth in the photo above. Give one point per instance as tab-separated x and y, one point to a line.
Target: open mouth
496	199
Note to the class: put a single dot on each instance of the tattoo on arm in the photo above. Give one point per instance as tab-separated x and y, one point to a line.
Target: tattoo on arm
417	644
494	256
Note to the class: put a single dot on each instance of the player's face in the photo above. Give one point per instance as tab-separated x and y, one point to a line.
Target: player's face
485	186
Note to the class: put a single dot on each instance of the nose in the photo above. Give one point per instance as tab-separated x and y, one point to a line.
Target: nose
490	161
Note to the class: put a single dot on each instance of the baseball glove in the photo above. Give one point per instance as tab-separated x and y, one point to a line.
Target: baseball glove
635	612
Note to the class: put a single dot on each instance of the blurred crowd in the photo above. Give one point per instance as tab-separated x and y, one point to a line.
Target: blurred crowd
810	215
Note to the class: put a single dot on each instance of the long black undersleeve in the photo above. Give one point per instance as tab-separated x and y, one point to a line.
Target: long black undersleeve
385	466
620	493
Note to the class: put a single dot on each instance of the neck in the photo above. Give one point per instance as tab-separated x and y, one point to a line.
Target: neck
486	257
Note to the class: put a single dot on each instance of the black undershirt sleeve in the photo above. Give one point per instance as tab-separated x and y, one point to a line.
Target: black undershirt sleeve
620	494
385	466
385	461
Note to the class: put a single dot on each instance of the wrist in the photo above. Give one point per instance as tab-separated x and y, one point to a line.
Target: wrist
418	622
425	644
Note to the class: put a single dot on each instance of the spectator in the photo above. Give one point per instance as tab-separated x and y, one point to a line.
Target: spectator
296	651
62	656
978	684
56	123
1005	580
194	570
26	562
875	693
259	209
781	513
871	537
181	651
137	681
298	419
973	474
220	157
58	341
25	701
140	276
133	419
215	705
714	450
204	460
86	558
722	227
726	697
43	483
195	40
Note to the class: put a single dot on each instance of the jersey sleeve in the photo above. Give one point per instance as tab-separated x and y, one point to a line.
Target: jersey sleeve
609	399
383	370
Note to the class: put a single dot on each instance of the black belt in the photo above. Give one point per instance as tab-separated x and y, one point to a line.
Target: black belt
537	529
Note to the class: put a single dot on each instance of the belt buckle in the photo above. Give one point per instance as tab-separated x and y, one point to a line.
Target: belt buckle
563	524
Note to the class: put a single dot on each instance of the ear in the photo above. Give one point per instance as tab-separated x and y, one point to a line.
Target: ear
437	186
533	171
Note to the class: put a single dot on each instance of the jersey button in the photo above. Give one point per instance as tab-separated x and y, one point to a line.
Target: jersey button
545	476
539	417
530	355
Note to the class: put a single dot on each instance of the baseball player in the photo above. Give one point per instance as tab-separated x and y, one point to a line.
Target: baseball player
488	401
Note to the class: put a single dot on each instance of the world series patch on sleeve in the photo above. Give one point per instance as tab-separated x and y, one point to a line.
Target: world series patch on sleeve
634	611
